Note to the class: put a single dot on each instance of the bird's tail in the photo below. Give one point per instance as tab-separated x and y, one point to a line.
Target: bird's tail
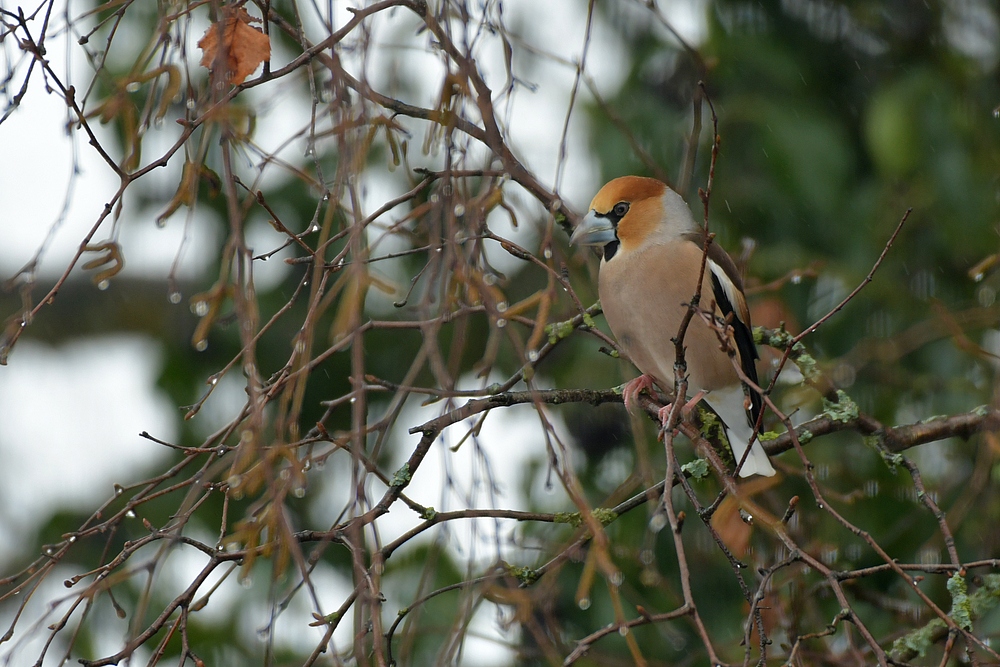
728	404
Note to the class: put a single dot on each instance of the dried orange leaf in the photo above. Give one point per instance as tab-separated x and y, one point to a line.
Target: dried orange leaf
241	48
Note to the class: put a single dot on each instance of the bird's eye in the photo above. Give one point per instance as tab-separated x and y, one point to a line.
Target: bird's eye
620	209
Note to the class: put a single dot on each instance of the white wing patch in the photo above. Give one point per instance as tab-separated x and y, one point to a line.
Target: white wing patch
728	287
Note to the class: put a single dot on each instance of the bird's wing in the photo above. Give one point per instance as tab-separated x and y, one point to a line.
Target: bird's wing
727	288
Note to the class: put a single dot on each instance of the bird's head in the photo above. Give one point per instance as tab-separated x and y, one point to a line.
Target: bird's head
630	212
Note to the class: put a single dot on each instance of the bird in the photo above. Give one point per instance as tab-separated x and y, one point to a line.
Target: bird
652	255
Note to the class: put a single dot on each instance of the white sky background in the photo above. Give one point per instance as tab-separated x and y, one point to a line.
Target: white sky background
71	414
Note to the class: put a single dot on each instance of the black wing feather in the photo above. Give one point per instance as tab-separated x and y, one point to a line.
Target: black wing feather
744	345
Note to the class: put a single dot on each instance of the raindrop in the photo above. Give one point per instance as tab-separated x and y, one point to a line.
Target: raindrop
130	514
796	278
986	296
307	466
433	199
103	285
547	253
300	346
618	578
174	297
214	380
299	492
459	210
646	556
354	399
158	122
161	223
657	523
201	345
234	481
978	277
221	451
930	556
191	103
584	603
72	539
119	490
844	375
623	630
532	356
502	307
132	86
490	279
246	582
501	323
819	505
285	474
200	307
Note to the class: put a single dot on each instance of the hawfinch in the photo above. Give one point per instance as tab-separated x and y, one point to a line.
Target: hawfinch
649	273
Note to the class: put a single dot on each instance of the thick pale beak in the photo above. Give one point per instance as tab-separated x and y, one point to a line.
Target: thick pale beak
593	230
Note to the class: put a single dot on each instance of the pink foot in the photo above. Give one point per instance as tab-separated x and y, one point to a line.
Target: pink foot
664	413
634	387
692	402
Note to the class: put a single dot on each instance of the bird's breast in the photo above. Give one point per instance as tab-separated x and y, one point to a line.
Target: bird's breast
644	295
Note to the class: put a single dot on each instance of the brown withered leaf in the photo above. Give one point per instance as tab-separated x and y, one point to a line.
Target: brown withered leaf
242	47
732	529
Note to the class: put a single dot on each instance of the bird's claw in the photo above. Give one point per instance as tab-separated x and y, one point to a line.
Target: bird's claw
632	389
663	414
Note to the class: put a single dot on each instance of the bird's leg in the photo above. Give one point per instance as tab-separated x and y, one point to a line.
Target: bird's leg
634	387
664	413
690	405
